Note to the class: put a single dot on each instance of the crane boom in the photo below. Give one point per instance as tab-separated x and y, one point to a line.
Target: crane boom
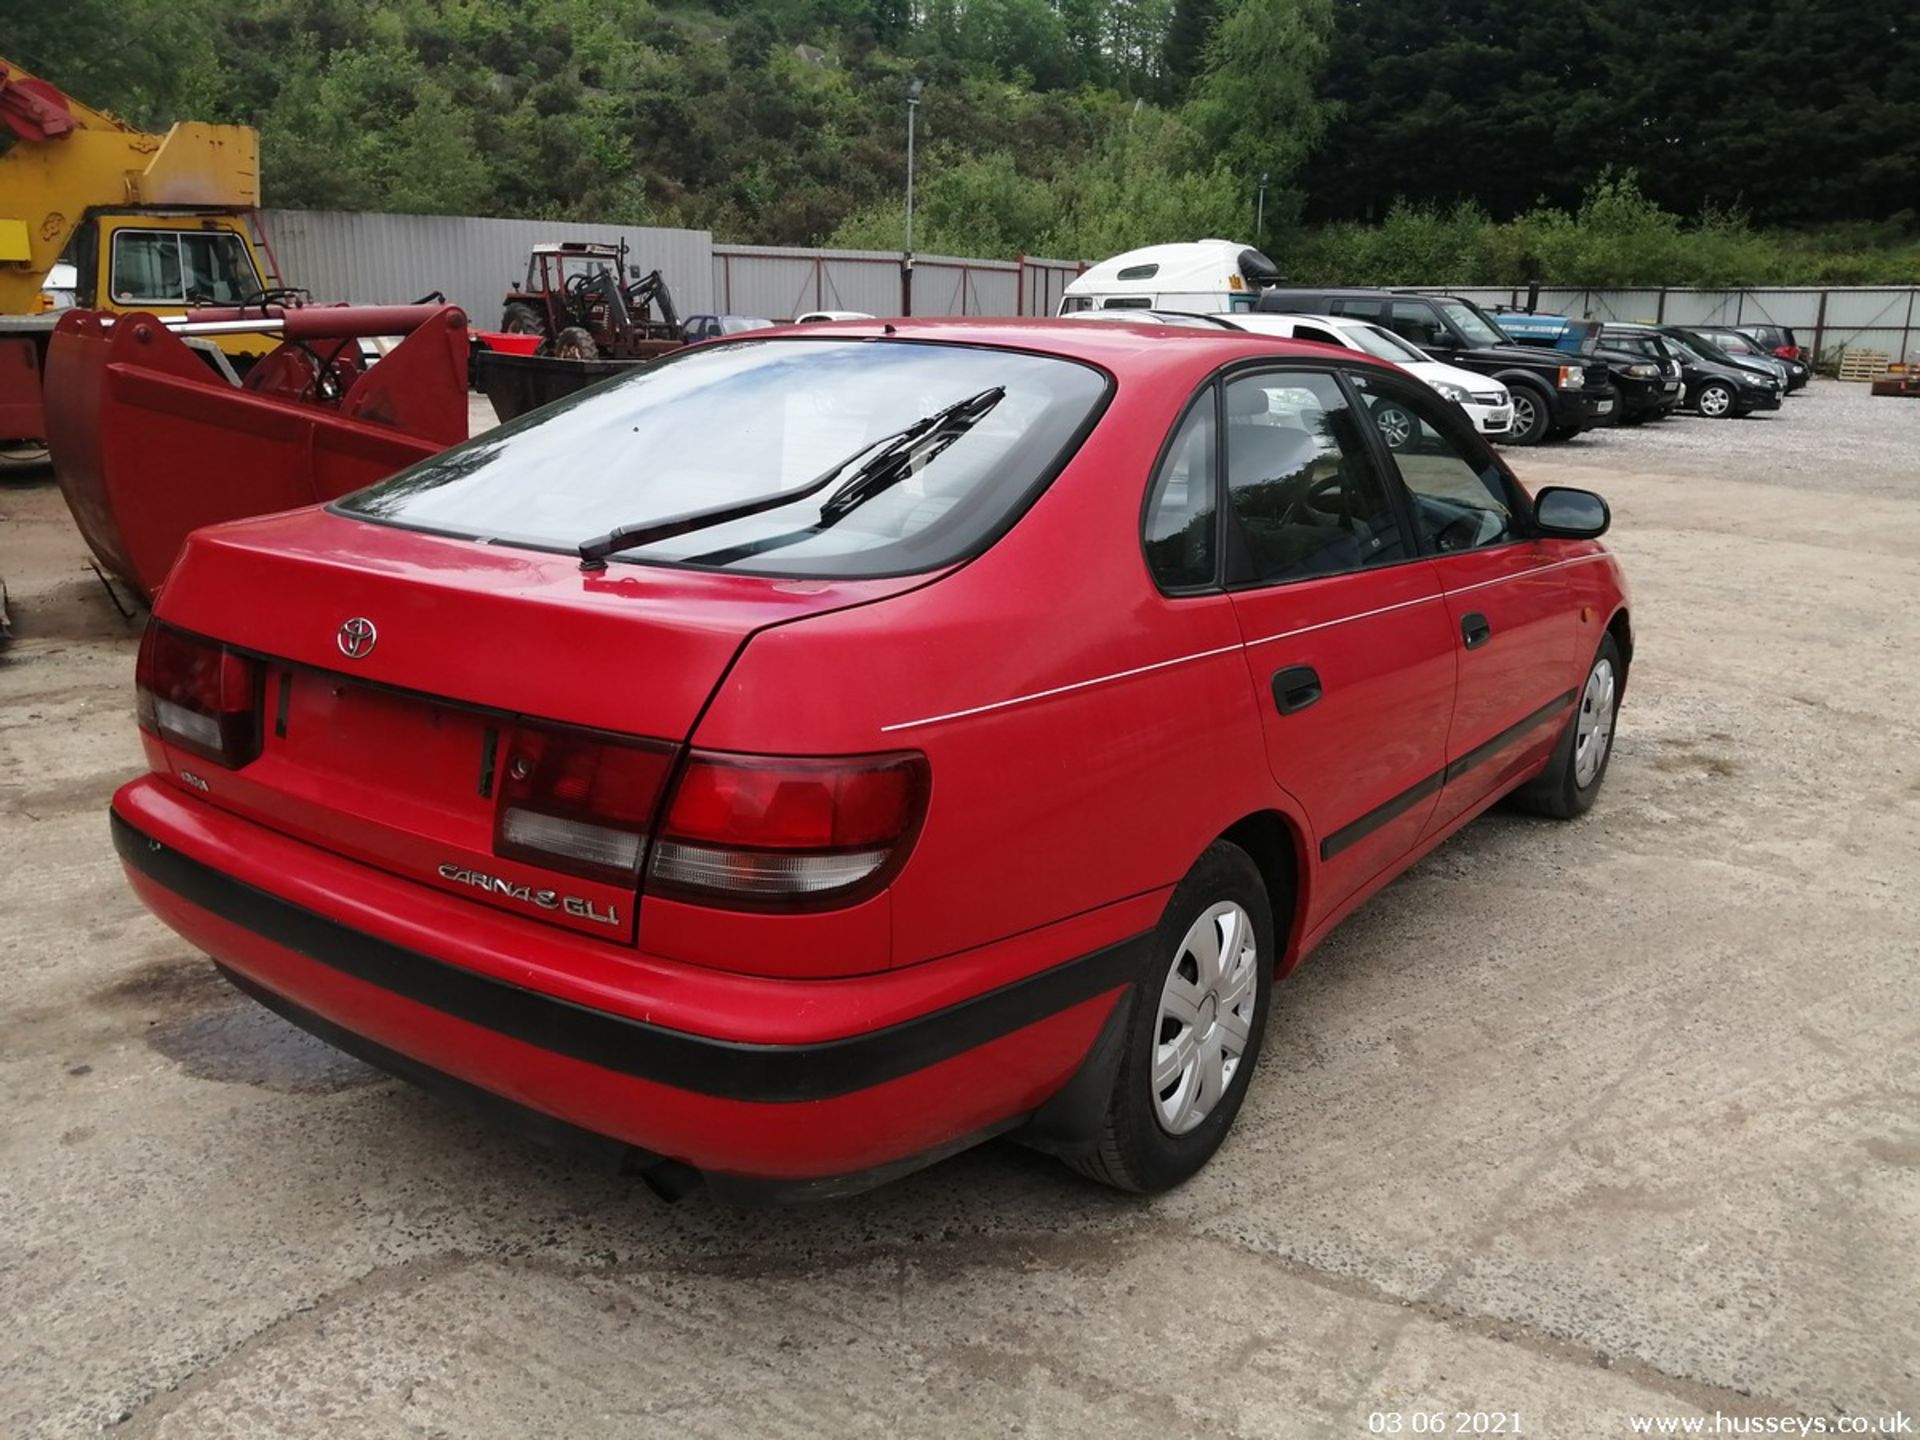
67	159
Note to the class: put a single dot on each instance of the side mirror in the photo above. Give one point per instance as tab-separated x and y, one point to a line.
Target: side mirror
1569	514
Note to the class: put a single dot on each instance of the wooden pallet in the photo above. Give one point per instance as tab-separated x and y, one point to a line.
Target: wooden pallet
1863	364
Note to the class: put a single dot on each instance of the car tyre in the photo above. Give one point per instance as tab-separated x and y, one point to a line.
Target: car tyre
1396	424
1161	1126
1715	400
1532	414
1571	782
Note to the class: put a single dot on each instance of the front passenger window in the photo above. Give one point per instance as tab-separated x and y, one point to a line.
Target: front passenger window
1304	494
1461	498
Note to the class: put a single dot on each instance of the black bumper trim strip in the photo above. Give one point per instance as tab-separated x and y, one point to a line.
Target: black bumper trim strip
726	1069
1357	830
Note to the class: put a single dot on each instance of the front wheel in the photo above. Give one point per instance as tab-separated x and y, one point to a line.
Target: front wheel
1532	413
1199	1014
1571	782
1715	401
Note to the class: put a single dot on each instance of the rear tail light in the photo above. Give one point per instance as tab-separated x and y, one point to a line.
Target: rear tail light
198	695
1787	352
579	801
758	832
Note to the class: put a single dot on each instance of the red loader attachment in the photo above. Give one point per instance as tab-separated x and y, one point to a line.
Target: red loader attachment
150	442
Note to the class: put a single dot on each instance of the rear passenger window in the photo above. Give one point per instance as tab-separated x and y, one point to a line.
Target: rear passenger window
1315	334
1356	308
1414	320
1461	500
1303	492
1180	510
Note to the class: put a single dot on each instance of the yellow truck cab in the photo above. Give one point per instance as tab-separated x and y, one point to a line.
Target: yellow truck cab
165	262
150	222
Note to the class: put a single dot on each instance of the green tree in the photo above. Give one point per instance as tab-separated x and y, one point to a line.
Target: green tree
1257	100
1186	43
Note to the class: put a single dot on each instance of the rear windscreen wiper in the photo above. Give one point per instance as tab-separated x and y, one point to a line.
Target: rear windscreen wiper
957	418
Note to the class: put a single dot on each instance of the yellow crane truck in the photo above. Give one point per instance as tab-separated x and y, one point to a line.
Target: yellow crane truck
157	223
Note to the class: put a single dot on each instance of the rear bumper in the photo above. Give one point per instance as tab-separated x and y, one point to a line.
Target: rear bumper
815	1103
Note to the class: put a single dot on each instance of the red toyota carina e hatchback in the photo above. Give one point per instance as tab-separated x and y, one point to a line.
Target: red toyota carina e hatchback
824	749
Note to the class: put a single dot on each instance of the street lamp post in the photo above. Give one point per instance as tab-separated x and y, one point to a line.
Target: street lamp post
914	85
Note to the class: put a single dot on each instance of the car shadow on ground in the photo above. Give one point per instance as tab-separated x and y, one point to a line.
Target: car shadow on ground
497	1192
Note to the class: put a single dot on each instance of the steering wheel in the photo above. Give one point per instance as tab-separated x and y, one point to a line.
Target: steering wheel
1458	533
1329	497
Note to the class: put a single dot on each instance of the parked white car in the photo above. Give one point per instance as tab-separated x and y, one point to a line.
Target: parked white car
1486	401
815	317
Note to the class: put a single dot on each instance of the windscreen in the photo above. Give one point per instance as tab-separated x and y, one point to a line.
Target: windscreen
757	418
1385	345
1707	350
1471	323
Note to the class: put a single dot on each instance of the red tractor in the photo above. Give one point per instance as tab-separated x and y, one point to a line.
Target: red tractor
586	286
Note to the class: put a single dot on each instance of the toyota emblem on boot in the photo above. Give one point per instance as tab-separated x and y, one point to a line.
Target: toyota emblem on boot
356	637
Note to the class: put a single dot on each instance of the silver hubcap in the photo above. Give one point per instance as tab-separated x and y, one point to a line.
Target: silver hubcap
1714	401
1206	1015
1395	427
1522	415
1593	731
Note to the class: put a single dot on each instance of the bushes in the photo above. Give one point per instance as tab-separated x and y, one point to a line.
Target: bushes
1617	238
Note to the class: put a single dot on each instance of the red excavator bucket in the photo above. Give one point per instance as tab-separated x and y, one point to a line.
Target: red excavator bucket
149	442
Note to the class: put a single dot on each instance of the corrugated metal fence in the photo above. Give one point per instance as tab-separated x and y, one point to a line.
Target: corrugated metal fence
1884	318
389	259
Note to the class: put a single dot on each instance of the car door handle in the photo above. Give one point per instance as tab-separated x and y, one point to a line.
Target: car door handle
1295	688
1475	630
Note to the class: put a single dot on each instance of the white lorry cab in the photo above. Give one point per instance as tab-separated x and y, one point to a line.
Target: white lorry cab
1200	276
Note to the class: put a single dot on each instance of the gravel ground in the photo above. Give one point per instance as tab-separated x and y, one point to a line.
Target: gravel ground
1860	443
1575	1122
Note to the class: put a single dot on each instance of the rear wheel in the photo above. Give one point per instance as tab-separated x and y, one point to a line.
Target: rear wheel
1532	413
522	319
1571	782
1715	401
1198	1017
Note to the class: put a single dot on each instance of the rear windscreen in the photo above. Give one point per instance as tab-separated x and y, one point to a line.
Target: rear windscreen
756	419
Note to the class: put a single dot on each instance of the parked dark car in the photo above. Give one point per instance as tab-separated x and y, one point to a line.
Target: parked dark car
1748	352
1765	339
1716	386
1555	397
1649	388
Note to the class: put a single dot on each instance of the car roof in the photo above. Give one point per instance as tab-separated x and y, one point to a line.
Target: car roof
1147	315
1127	349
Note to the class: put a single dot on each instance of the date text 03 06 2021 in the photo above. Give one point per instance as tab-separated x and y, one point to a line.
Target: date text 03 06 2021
1444	1422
